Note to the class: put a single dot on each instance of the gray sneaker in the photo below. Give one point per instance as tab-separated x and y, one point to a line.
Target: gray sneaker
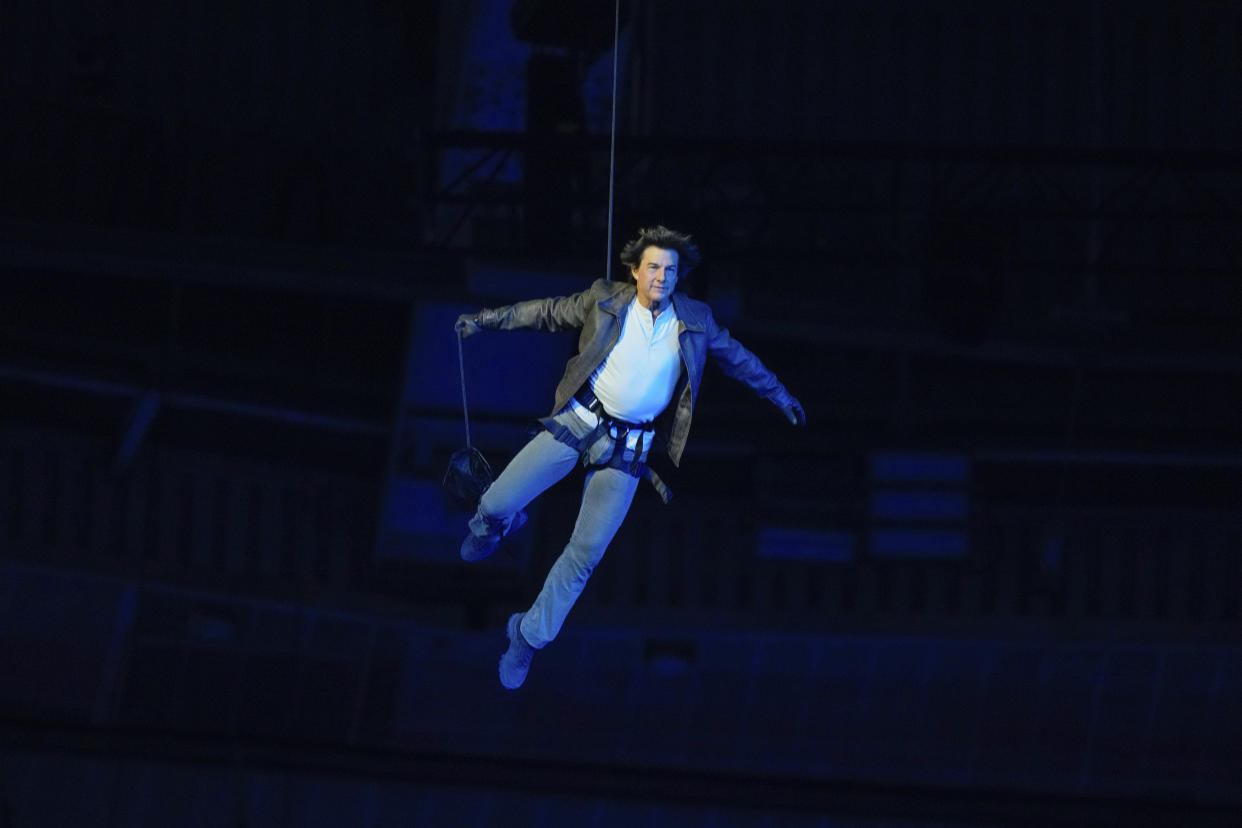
475	548
515	663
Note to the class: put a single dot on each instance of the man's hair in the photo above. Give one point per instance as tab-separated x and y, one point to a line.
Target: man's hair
660	236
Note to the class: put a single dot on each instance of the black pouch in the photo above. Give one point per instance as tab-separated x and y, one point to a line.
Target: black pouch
467	477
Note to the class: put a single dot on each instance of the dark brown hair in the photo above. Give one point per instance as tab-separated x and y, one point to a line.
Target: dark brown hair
665	239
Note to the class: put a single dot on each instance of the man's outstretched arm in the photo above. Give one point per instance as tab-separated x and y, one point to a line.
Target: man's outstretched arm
556	314
744	366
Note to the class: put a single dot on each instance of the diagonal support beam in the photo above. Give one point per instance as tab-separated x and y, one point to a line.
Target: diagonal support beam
139	421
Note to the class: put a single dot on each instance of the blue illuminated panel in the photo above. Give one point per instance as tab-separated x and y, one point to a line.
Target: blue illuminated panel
507	372
416	507
806	545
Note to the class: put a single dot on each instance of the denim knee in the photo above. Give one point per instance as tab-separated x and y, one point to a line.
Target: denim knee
585	558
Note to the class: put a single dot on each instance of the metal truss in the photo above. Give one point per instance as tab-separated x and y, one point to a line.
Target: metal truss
1108	227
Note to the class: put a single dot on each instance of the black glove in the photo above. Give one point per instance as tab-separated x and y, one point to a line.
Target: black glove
467	325
794	412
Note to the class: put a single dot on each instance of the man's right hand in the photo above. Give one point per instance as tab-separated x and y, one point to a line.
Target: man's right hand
794	412
466	325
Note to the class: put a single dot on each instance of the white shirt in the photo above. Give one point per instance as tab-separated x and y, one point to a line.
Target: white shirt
638	377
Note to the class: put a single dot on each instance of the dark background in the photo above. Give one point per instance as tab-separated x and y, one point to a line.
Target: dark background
992	247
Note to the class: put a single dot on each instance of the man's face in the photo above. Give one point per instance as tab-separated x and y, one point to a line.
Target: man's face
656	276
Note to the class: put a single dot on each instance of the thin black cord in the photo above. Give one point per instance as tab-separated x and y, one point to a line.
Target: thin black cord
461	367
612	144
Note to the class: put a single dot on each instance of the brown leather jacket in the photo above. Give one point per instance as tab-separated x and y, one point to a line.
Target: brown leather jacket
599	312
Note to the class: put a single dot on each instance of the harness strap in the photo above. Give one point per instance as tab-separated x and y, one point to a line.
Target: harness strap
585	396
616	460
618	429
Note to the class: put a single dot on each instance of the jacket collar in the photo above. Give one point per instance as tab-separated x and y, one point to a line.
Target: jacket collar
620	298
688	310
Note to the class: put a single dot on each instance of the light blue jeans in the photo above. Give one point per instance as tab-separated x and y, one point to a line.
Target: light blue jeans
606	499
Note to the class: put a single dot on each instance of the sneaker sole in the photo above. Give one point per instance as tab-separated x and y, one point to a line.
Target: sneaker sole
512	628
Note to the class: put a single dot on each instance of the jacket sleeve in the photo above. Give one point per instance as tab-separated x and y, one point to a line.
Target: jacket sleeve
555	314
744	366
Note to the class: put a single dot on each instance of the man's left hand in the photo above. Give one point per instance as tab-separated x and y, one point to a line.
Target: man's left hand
794	412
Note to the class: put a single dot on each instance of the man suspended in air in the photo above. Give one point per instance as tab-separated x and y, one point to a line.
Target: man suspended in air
632	385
